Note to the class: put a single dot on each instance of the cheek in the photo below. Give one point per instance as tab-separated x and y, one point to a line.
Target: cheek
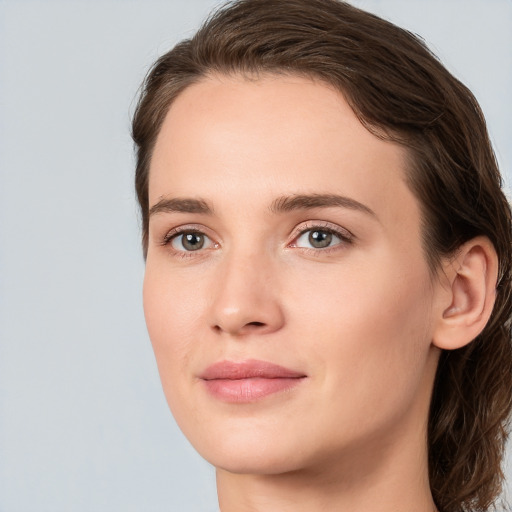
364	295
170	311
368	328
172	304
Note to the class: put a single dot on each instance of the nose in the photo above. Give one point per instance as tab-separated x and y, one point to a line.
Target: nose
246	298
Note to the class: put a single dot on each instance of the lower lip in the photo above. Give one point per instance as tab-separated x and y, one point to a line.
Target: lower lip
249	390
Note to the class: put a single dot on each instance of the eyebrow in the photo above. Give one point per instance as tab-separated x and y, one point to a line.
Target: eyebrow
310	201
281	204
181	205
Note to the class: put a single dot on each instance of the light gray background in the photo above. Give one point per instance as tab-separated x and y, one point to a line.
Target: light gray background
83	422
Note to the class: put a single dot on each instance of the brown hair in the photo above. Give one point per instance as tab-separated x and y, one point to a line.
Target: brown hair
400	92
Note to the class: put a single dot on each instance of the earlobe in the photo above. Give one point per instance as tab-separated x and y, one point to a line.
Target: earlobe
469	295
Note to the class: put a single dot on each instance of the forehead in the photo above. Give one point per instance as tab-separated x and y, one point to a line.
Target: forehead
254	140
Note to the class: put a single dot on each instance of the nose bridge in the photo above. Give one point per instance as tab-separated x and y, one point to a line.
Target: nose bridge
246	297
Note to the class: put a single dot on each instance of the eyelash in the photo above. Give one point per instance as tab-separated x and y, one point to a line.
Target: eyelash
345	237
183	230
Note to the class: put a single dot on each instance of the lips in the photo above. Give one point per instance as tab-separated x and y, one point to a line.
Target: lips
248	381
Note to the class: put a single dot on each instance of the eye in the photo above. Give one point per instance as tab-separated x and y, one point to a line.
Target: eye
317	238
190	241
320	237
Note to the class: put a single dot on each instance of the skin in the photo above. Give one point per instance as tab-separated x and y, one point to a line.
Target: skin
358	318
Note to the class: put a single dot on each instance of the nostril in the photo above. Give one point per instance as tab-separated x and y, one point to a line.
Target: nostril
240	329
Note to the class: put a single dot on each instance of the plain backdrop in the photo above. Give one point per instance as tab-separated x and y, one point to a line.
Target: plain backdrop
84	426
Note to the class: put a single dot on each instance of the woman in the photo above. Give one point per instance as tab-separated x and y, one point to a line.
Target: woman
328	270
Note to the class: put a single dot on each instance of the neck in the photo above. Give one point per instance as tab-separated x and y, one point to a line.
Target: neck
349	486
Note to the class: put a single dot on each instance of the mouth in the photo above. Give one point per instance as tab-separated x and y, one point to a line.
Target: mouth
248	381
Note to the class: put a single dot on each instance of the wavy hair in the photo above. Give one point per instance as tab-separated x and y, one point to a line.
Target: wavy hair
400	92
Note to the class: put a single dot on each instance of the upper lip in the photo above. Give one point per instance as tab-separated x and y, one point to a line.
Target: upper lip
252	368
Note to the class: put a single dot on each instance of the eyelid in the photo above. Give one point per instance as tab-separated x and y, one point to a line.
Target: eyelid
344	234
187	228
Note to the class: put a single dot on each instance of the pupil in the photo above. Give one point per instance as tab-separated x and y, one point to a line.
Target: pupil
320	239
193	241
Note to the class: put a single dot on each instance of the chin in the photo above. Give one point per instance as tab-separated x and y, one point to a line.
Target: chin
254	462
250	451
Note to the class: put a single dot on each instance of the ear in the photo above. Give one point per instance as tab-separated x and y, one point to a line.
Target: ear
468	294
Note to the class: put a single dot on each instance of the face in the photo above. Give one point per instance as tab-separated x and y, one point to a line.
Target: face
286	294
